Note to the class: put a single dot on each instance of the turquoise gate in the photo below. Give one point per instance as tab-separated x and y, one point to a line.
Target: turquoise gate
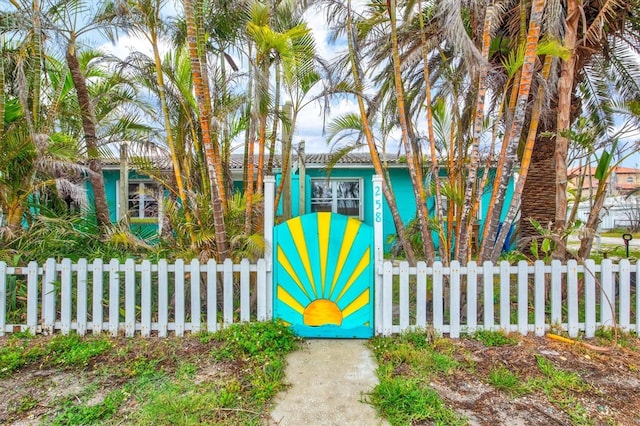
323	283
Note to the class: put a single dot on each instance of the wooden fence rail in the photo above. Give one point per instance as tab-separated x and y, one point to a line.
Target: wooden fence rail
156	299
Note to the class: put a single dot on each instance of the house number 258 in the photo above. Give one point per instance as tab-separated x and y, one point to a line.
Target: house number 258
378	204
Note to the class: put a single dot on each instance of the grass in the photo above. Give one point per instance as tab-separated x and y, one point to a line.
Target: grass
406	364
227	377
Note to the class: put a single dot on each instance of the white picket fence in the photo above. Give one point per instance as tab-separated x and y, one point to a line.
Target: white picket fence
158	299
519	298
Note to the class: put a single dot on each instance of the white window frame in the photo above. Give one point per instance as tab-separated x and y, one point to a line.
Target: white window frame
334	193
141	201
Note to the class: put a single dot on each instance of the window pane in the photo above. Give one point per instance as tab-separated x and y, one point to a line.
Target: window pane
320	189
349	207
346	189
321	206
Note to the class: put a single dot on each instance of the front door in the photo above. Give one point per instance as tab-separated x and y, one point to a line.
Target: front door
323	277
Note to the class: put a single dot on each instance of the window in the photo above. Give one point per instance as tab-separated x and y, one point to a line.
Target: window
143	200
341	196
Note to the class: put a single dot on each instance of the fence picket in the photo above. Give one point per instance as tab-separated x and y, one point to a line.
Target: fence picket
49	297
178	280
539	297
454	299
227	313
212	298
129	297
65	296
421	295
624	294
404	295
438	308
607	308
487	293
81	303
3	297
572	298
589	298
114	296
195	295
387	297
97	314
163	298
505	296
32	297
261	310
245	308
145	299
472	297
556	292
523	297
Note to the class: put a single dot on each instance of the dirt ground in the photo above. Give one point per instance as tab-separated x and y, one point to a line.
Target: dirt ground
611	397
32	394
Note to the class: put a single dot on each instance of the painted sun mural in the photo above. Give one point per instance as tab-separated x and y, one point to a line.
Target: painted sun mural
323	276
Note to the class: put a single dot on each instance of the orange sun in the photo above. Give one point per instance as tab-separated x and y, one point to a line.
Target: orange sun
322	312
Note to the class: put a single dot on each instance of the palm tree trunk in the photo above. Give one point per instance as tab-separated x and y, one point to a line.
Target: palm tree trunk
91	141
199	88
466	223
565	92
418	186
504	174
525	163
375	158
435	168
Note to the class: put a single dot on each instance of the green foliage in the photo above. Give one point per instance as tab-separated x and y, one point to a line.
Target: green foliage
262	340
408	401
73	414
494	338
503	379
18	352
73	350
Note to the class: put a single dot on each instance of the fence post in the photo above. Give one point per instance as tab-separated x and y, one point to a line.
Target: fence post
387	298
227	312
487	293
556	292
245	299
261	285
269	212
438	294
404	296
163	298
505	296
378	254
421	295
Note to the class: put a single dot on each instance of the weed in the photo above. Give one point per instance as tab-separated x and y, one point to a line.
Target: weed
504	379
262	339
72	350
404	401
494	338
22	404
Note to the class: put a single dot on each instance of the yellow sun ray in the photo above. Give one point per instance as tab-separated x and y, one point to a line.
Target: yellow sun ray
353	225
282	259
295	227
362	265
358	303
324	227
289	300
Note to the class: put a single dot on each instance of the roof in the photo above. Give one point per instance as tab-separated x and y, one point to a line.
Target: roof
312	160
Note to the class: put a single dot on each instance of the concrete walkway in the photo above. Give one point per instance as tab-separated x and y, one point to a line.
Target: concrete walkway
329	381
